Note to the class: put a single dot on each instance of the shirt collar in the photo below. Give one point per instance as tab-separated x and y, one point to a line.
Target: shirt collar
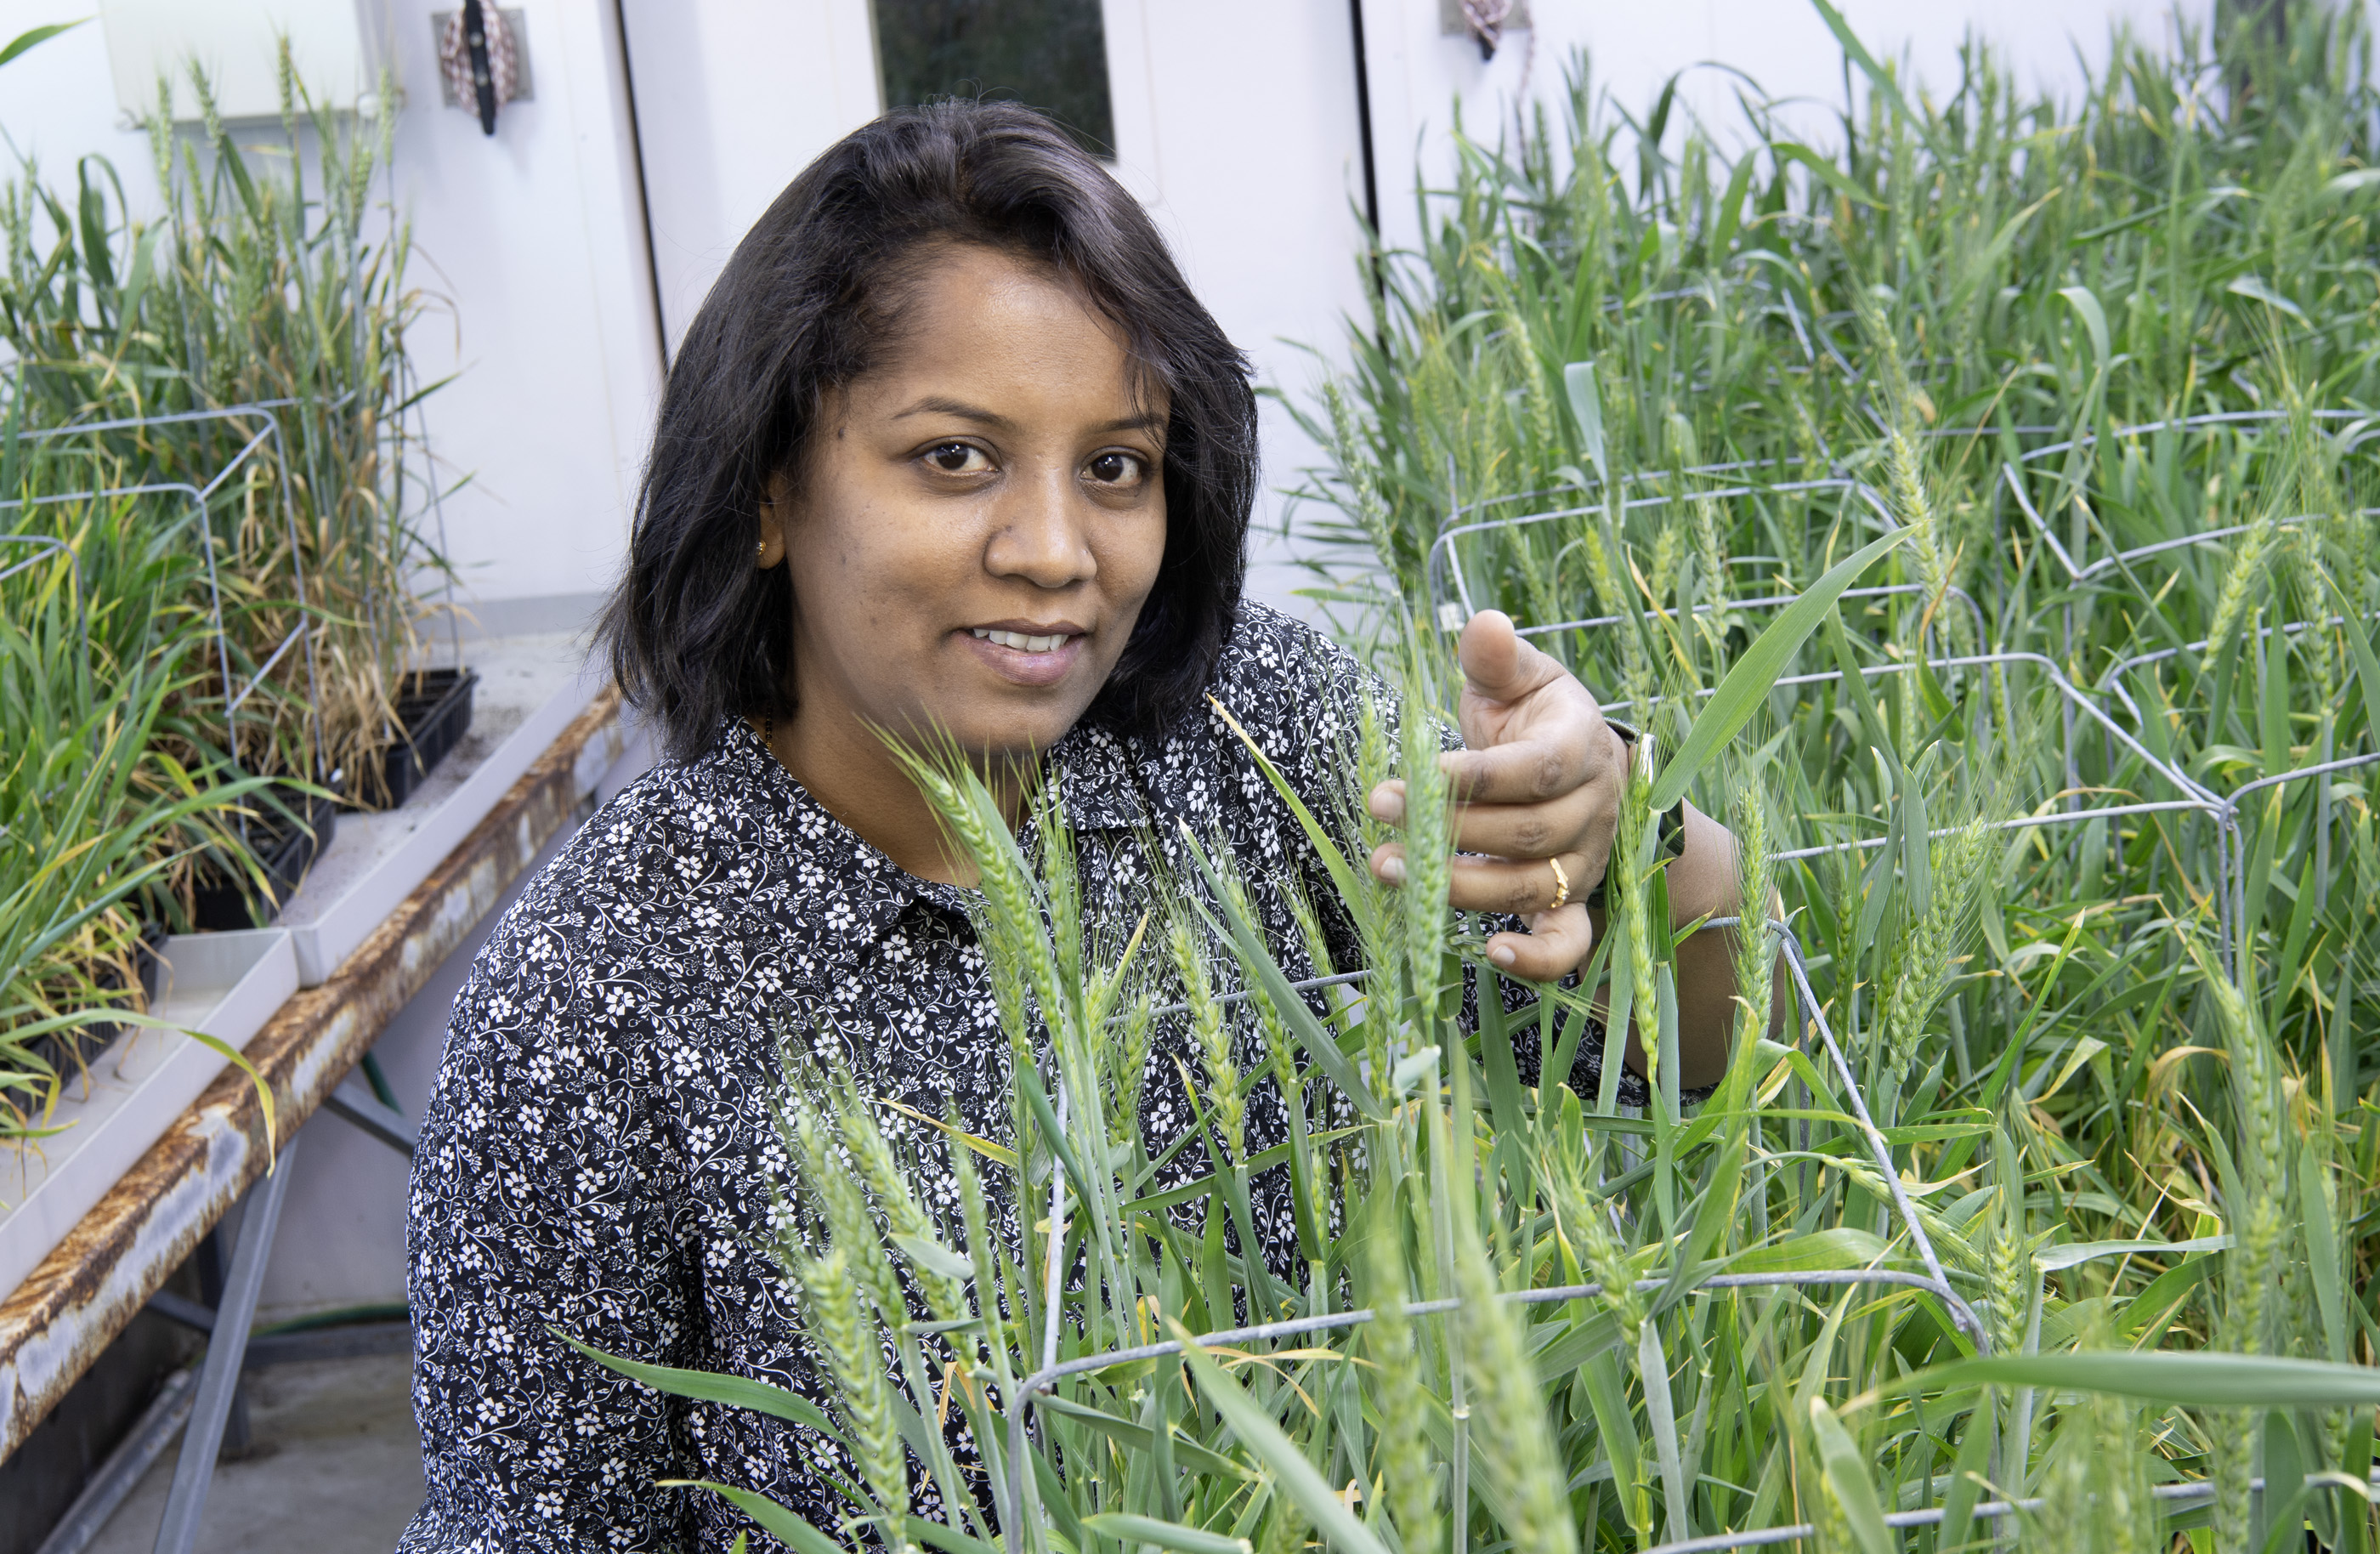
849	877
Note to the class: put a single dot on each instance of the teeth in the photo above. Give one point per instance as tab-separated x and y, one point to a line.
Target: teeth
1019	641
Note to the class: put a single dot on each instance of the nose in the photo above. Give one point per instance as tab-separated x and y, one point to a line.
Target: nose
1040	534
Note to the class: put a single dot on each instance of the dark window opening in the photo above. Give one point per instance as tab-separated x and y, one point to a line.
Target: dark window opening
1051	54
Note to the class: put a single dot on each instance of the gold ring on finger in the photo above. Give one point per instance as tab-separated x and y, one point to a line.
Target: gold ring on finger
1562	885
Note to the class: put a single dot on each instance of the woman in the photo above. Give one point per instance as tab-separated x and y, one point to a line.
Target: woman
951	450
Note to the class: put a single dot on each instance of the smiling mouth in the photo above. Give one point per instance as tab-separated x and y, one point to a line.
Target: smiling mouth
1021	642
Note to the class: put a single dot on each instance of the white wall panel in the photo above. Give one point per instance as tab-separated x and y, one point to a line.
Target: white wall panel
237	44
732	99
1237	125
537	236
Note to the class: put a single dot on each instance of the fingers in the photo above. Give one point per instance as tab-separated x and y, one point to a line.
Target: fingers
1557	942
1555	945
1514	888
1566	745
1498	666
1526	772
1581	821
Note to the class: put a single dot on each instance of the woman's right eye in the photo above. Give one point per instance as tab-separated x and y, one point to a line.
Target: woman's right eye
957	459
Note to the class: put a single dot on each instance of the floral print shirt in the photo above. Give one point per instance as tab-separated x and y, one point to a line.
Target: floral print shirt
599	1151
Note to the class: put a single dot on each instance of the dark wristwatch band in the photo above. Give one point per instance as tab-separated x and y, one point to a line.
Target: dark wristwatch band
1673	820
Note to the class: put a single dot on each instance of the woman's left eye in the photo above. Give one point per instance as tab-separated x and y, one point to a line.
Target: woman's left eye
957	459
1116	469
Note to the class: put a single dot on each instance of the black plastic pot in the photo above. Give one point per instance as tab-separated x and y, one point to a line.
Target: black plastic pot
66	1051
228	900
433	713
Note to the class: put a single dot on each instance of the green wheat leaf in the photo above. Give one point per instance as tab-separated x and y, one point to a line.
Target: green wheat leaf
1125	1527
2197	1379
1296	1477
736	1391
33	37
1746	686
1846	1473
782	1525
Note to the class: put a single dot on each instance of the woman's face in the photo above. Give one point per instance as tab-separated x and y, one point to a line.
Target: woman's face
980	522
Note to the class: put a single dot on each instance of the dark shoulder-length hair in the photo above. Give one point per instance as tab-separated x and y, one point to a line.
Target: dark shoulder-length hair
812	299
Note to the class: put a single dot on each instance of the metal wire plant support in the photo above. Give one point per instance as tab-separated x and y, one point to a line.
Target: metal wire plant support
1926	1516
2226	808
302	633
1933	1281
2223	809
1444	563
198	496
2014	471
2077	706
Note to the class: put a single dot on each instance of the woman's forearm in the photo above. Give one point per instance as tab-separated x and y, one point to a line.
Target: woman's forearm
1703	882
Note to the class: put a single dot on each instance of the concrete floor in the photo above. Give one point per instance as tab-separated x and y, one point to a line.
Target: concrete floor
334	1467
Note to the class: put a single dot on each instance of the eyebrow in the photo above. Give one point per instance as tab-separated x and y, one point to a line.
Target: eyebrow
1145	421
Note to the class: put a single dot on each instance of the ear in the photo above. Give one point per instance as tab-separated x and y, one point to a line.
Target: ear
776	508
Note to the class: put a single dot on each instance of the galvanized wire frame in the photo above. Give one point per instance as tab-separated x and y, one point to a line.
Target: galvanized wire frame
2224	809
1444	563
2014	470
265	410
2232	850
2190	794
1931	1516
1934	1281
199	496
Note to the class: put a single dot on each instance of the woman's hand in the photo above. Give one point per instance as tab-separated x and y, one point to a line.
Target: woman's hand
1540	781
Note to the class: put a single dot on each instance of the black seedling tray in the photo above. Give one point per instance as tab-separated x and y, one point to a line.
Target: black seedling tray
64	1050
286	850
434	712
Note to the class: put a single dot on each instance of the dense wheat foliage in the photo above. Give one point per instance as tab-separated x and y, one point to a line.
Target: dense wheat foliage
266	282
100	646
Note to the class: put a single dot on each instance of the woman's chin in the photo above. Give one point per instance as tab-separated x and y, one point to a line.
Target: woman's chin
999	729
998	698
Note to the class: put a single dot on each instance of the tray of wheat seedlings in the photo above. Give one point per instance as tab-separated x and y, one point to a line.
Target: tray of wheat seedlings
248	344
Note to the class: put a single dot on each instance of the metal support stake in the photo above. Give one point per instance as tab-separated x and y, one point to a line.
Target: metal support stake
213	1270
359	1106
194	1470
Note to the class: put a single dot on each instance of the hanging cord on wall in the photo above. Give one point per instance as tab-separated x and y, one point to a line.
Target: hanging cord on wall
482	61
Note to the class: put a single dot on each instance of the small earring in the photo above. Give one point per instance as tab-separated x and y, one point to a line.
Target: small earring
759	550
